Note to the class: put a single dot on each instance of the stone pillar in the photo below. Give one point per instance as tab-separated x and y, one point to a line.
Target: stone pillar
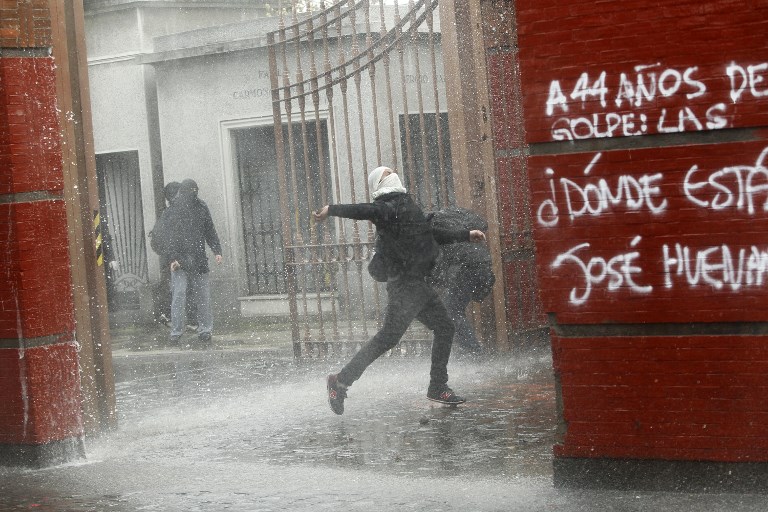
472	149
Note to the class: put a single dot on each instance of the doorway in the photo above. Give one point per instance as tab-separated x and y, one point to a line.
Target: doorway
256	164
122	226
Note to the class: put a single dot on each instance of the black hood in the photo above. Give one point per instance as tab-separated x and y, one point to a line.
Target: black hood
187	192
188	188
171	190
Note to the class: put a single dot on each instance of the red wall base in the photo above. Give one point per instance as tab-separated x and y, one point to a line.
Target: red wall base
661	475
39	395
697	398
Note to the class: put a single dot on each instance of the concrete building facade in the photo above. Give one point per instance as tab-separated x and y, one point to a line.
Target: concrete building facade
184	91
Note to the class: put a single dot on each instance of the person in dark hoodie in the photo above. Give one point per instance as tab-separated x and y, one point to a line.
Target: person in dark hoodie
464	273
407	243
189	226
163	292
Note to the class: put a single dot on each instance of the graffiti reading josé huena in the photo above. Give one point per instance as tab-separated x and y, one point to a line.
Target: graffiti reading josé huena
741	188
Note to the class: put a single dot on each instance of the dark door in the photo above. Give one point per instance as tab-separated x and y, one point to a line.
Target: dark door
122	225
256	163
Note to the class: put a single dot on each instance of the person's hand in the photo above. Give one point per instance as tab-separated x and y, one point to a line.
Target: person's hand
175	265
476	236
321	214
218	259
114	265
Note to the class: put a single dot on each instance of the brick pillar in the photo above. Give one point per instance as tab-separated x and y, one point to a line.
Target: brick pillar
658	307
40	397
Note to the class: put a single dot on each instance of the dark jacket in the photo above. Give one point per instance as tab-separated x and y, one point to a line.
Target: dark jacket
189	226
394	215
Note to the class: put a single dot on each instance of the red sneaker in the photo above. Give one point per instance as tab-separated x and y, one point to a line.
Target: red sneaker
336	394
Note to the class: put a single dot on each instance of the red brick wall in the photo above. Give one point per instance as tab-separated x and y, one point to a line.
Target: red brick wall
25	23
39	374
649	61
29	133
664	255
37	298
666	102
524	312
664	397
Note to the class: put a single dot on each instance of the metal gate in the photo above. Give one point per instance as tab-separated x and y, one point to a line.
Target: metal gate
373	74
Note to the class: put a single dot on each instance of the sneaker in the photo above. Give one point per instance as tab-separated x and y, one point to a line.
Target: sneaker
444	395
205	337
164	320
336	394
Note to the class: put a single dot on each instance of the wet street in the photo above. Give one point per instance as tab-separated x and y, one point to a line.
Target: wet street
250	430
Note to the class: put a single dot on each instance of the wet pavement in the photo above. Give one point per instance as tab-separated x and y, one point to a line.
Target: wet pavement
248	429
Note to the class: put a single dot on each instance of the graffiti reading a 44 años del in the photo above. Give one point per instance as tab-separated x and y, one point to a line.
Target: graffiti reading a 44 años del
650	99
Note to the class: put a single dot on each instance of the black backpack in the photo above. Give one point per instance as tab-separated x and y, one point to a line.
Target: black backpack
160	236
405	246
463	264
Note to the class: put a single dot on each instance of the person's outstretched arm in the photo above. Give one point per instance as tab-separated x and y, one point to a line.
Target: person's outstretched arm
359	211
449	236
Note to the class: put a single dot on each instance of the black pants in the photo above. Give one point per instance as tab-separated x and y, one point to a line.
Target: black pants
456	299
408	299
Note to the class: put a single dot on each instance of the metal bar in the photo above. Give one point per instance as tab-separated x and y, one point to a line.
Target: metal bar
325	255
248	218
426	172
350	165
333	268
355	235
372	78
377	137
442	178
308	187
323	14
364	168
410	169
341	257
290	275
393	141
296	227
262	246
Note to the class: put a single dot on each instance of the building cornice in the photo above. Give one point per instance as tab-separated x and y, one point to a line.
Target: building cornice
93	7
